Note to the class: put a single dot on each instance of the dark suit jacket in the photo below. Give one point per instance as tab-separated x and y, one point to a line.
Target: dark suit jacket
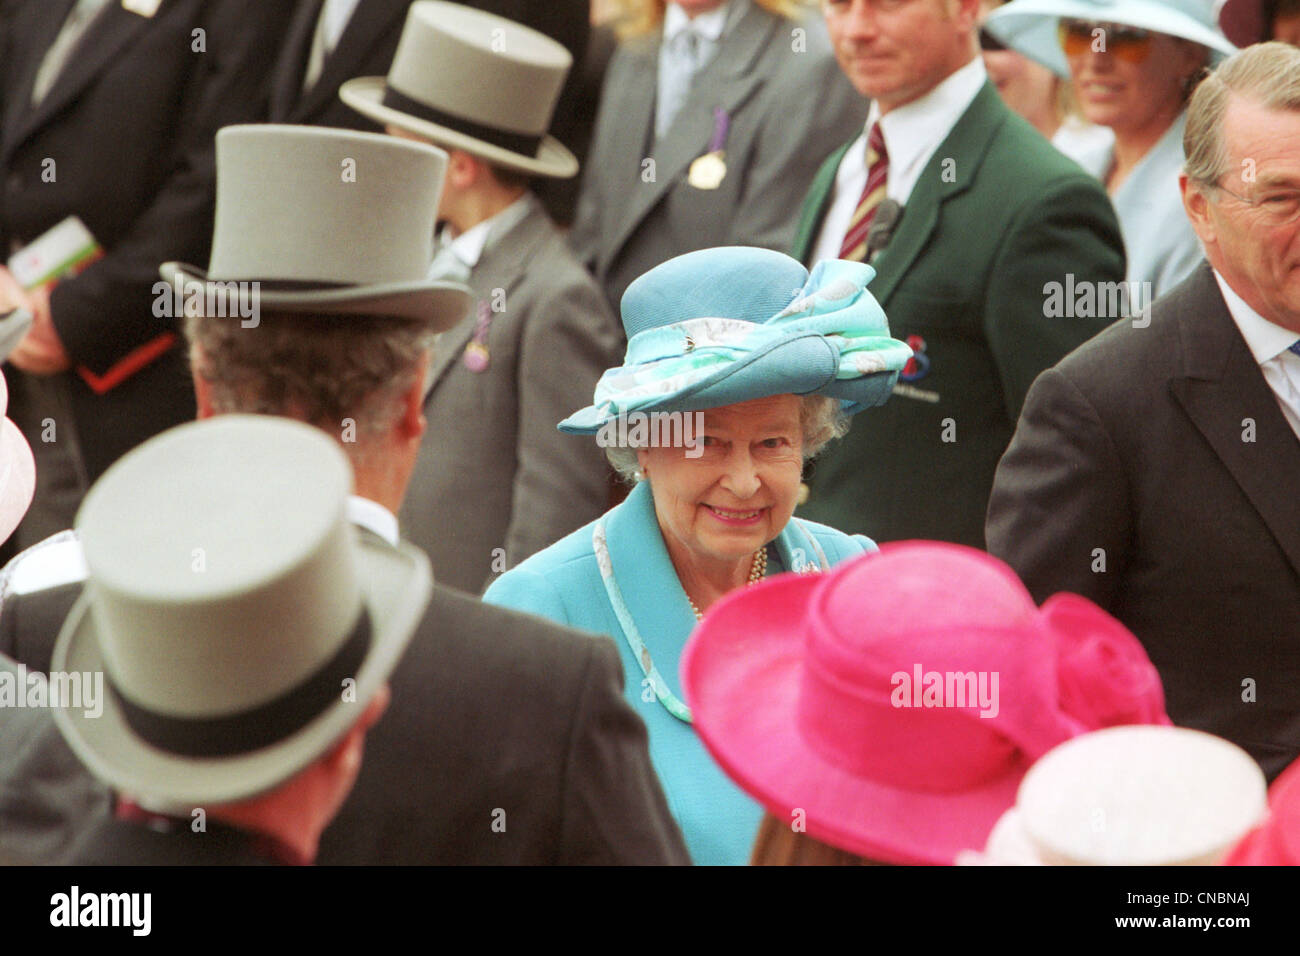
492	710
788	108
1163	450
997	215
129	124
46	796
496	481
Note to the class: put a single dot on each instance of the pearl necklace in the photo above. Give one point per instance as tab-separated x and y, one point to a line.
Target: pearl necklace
757	570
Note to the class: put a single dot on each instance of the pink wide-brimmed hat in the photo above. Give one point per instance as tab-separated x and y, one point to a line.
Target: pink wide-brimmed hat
1276	841
17	470
893	705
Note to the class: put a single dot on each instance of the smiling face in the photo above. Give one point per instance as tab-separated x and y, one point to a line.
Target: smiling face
1248	237
1116	89
721	507
896	51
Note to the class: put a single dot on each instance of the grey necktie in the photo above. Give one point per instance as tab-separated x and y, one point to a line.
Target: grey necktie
56	57
676	78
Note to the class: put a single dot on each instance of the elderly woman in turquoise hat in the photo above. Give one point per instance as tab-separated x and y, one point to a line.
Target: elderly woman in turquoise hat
740	367
1134	65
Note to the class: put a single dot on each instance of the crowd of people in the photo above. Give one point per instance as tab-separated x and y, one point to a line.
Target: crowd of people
645	432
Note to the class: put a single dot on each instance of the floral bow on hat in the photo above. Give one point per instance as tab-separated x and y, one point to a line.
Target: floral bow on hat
857	360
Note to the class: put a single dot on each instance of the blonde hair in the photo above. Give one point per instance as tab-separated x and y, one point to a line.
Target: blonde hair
1267	73
778	845
639	17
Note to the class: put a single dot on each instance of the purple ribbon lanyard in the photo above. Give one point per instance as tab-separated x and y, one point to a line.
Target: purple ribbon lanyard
721	126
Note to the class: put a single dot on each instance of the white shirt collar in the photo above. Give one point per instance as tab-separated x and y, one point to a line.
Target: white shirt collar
915	130
1265	340
708	26
373	516
469	245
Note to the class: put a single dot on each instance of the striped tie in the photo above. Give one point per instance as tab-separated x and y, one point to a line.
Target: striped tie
854	246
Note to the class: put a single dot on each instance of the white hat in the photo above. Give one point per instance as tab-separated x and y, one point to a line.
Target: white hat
231	606
17	470
328	221
1131	796
1030	26
474	81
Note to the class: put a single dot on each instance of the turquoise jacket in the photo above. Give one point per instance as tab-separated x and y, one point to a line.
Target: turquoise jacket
563	583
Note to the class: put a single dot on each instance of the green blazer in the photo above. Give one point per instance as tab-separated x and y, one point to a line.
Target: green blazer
997	216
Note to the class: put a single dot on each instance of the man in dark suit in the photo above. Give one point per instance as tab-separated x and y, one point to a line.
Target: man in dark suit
1155	469
562	774
708	146
109	113
992	218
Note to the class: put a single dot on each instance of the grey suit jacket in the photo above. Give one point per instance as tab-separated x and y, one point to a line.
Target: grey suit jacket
507	742
1153	472
788	105
46	796
495	480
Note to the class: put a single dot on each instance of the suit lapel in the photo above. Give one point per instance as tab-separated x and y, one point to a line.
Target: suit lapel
42	33
727	82
286	84
967	143
504	263
102	43
1220	387
370	21
819	198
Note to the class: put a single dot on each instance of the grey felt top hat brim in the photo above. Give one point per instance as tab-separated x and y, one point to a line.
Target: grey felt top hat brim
398	582
1030	26
224	653
317	220
470	80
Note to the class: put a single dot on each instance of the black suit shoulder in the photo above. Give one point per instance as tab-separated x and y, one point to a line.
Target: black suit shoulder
30	623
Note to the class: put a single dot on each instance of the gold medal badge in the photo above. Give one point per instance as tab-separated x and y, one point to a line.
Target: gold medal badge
708	171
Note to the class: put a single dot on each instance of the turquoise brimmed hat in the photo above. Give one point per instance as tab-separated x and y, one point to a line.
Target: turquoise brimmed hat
1030	26
735	323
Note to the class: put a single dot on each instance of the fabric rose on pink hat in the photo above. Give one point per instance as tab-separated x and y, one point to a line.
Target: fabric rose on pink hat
1104	676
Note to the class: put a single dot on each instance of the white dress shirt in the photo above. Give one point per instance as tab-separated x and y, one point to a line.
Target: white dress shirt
467	247
1271	346
912	132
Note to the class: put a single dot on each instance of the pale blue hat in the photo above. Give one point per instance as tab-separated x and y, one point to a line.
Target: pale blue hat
1030	26
731	324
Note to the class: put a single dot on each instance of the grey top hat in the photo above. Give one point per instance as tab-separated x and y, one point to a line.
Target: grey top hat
471	80
325	221
230	605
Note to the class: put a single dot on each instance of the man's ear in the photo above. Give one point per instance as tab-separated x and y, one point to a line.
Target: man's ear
412	423
1196	203
463	170
202	387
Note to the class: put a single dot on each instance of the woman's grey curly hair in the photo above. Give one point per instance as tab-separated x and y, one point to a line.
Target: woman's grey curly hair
819	416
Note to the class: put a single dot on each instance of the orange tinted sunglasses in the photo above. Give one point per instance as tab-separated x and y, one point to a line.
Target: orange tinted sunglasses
1129	44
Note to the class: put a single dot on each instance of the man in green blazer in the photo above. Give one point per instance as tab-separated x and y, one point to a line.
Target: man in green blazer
1005	258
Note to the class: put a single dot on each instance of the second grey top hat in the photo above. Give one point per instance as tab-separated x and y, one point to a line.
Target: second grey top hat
326	221
474	81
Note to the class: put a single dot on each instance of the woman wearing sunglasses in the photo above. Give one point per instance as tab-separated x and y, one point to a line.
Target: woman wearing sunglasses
1133	66
1041	97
